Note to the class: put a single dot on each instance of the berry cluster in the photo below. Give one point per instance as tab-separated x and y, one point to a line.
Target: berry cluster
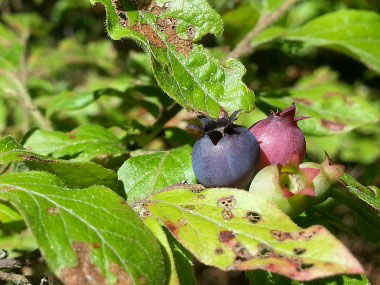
268	155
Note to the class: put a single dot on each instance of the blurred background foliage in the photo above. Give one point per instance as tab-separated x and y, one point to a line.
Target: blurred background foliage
58	52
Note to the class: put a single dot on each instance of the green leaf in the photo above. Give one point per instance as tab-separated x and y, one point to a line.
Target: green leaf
184	70
363	200
11	50
157	230
85	233
268	35
267	278
183	261
8	214
353	32
238	22
83	143
266	6
235	230
145	174
73	174
331	105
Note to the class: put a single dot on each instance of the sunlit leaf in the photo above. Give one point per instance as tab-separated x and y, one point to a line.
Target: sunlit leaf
73	174
85	233
83	143
184	70
354	32
234	230
145	174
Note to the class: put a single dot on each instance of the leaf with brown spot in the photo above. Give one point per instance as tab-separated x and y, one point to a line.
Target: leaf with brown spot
184	70
86	236
273	241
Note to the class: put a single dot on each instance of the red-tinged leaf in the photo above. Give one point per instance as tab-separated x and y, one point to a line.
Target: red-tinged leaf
236	230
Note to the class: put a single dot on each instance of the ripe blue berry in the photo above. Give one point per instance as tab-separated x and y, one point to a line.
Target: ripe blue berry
226	155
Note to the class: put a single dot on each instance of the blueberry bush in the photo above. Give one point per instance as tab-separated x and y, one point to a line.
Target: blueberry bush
189	142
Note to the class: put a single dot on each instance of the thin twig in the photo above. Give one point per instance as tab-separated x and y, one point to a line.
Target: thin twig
15	278
27	102
20	261
244	47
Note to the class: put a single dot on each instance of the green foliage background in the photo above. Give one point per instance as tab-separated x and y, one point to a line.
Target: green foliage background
94	112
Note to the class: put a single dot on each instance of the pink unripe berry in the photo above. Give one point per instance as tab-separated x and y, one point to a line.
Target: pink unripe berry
281	140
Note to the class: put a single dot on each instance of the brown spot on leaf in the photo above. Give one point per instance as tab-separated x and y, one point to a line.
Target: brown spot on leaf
304	266
227	203
253	217
241	252
190	31
302	235
189	207
347	100
53	211
201	196
85	272
96	245
219	251
303	101
196	188
333	126
172	228
122	277
169	27
264	251
29	157
226	236
299	251
142	280
149	33
227	215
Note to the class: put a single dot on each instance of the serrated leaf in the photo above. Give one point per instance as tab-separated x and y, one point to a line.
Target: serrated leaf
83	143
73	174
267	278
85	233
233	230
145	174
332	108
184	70
352	32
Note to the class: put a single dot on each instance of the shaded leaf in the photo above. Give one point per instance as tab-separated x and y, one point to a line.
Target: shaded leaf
86	233
232	230
361	199
8	214
145	174
353	32
266	6
83	143
268	35
73	174
185	71
267	278
157	230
